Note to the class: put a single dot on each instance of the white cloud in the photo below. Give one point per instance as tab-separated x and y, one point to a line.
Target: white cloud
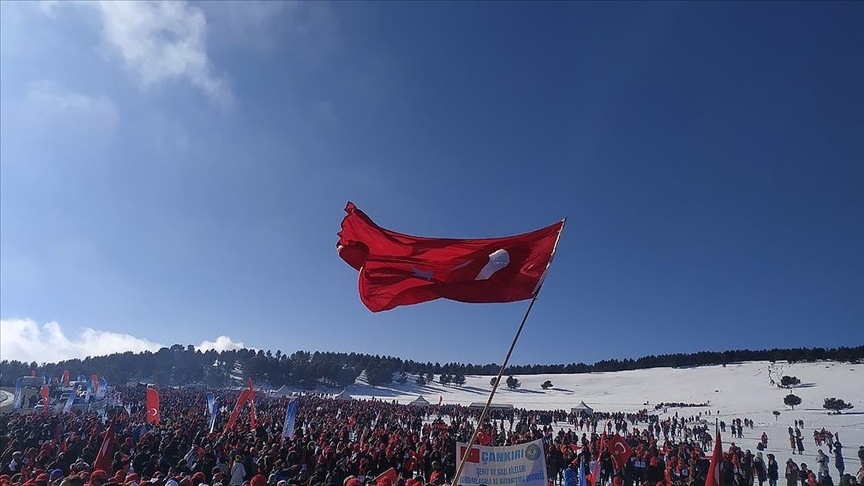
49	101
162	41
25	340
222	343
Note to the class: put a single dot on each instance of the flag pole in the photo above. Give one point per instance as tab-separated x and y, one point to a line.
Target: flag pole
485	411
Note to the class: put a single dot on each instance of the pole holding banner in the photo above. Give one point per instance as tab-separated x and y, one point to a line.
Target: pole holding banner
506	361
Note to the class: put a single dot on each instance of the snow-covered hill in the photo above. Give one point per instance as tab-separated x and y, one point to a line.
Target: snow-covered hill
736	390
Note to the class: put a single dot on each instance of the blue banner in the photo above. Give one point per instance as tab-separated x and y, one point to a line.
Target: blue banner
211	407
19	394
69	402
103	389
290	419
89	390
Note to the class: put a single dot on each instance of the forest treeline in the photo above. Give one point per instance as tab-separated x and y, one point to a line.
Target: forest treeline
180	365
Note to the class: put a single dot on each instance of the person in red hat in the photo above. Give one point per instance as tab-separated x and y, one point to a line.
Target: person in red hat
198	479
98	478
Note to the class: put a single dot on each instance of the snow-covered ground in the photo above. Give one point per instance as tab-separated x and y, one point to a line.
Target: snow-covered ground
736	390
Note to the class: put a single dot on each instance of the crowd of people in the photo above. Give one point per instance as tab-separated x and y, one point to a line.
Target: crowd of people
355	442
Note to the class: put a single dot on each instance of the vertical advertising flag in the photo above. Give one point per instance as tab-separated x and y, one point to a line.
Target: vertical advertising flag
211	407
290	420
19	394
69	401
101	388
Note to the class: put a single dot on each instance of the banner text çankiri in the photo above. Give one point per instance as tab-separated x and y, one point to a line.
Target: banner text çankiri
523	464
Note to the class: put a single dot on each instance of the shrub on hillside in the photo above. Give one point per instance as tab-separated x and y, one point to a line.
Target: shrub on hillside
792	400
789	381
513	383
836	405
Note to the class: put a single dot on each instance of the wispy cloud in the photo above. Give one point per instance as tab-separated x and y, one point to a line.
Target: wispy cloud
162	41
25	340
47	100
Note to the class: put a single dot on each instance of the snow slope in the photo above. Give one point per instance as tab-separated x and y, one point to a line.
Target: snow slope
736	390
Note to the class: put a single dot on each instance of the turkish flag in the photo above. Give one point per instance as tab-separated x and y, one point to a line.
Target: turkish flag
713	477
106	451
45	394
241	400
387	478
152	406
398	269
473	456
620	451
251	405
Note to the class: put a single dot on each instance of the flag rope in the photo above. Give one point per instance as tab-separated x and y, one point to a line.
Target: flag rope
492	394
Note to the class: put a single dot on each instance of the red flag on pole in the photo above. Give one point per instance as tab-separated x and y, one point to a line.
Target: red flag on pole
251	405
398	269
595	473
620	451
152	406
45	393
387	478
106	451
244	395
65	377
713	477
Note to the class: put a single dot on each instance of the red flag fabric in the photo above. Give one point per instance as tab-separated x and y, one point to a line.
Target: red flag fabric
106	451
152	406
251	404
387	478
244	395
398	269
45	393
620	451
473	456
95	380
65	377
713	477
595	473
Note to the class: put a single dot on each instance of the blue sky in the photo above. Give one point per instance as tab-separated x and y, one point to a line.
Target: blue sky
171	173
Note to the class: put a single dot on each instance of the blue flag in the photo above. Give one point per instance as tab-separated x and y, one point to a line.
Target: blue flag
19	394
290	420
582	480
211	407
69	401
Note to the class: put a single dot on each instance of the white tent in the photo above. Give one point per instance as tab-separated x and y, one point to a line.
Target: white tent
282	392
420	401
343	396
582	408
